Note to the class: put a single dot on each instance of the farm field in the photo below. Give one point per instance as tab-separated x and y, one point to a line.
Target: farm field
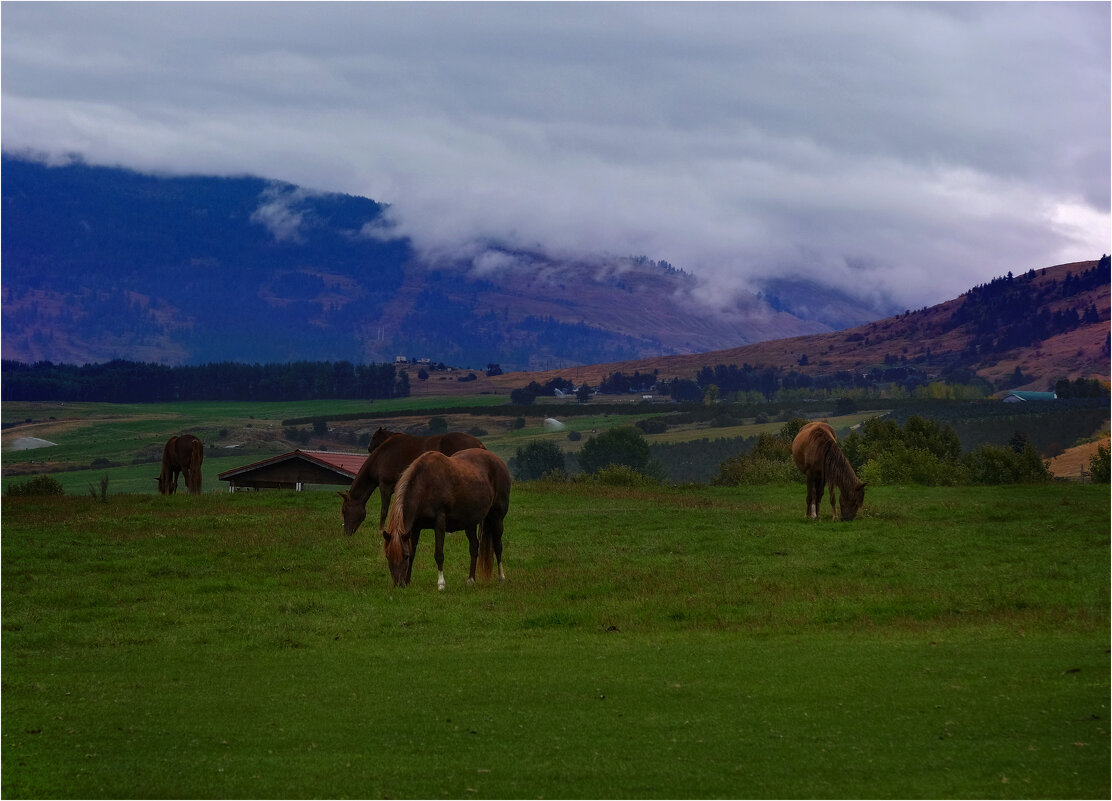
124	441
662	643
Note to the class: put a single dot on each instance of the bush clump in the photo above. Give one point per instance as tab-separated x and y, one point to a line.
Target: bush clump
769	462
1099	465
39	485
537	459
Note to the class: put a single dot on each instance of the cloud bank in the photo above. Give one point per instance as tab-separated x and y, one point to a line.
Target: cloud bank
909	150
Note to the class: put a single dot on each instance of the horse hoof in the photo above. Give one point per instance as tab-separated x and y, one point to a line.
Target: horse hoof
470	582
442	587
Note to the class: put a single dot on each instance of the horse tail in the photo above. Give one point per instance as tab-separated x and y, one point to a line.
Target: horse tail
196	457
486	553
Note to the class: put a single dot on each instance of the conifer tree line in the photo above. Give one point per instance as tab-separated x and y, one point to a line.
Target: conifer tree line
122	381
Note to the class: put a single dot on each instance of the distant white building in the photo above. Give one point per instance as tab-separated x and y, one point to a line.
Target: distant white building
1020	396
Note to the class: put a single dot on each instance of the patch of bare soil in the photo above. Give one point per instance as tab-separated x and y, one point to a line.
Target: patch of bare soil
1074	462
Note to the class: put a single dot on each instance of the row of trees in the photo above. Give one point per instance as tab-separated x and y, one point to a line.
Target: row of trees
1008	312
142	382
921	451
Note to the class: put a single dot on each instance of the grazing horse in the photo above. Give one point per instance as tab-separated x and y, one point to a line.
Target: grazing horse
391	453
184	455
468	492
816	452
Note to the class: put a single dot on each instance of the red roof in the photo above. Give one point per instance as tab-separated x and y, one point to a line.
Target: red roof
347	464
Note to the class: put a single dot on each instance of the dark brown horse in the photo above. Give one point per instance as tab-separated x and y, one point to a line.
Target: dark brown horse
391	453
184	455
817	453
467	492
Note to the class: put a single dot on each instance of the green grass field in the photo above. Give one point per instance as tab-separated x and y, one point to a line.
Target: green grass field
129	437
672	643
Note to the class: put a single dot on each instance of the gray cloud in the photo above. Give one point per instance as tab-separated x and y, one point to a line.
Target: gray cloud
907	149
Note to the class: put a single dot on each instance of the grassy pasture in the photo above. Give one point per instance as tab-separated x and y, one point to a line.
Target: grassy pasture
675	643
131	436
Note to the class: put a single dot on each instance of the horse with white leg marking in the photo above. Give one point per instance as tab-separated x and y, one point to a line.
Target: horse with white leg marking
391	453
817	454
468	491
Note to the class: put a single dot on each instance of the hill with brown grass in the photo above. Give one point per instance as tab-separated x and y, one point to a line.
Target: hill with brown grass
947	338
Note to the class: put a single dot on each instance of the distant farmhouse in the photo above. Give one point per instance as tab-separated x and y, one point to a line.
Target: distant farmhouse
1020	396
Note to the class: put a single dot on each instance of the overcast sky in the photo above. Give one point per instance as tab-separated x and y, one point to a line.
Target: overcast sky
915	148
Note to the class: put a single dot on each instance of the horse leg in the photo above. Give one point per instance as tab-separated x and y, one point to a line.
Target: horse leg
473	547
493	529
414	538
833	508
820	485
814	495
441	523
384	497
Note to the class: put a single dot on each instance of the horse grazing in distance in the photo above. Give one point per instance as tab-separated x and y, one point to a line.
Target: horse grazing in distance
469	492
816	452
181	454
391	453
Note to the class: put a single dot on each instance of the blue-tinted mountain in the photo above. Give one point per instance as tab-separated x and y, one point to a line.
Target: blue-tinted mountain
101	263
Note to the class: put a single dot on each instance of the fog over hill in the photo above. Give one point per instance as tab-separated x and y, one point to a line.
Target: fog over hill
102	263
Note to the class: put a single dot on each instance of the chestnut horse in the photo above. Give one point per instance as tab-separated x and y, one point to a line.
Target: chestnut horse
817	453
184	455
469	492
391	453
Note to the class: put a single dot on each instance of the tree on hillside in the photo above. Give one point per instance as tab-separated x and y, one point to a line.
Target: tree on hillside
1099	465
536	459
619	446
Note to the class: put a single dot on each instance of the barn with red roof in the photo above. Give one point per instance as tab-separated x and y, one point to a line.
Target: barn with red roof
295	469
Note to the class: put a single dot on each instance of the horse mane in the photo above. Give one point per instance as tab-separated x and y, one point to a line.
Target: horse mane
395	521
164	478
836	467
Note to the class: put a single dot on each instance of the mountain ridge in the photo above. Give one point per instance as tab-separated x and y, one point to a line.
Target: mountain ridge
103	263
928	338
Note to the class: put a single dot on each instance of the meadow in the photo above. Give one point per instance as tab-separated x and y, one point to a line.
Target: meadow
123	442
660	642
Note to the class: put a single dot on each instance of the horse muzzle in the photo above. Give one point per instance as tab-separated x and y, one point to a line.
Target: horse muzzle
400	573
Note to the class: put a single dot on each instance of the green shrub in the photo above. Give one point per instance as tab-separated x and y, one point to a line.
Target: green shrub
39	485
748	469
769	462
536	459
900	464
618	446
1099	465
654	425
620	475
992	465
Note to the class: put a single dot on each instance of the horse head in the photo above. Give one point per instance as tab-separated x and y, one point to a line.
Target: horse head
353	513
399	555
851	501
